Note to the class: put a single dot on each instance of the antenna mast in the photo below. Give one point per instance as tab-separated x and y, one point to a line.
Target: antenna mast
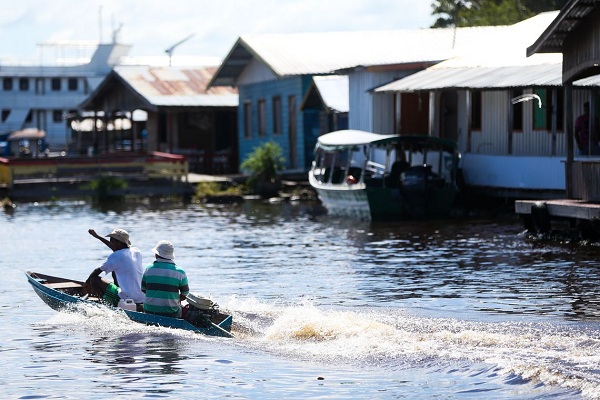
169	51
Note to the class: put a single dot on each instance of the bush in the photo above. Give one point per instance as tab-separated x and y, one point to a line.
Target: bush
104	185
264	165
208	189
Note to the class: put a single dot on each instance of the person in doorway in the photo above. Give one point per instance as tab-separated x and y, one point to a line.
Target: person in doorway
587	141
125	265
164	283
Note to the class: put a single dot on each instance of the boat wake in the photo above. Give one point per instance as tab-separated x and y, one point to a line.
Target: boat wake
563	356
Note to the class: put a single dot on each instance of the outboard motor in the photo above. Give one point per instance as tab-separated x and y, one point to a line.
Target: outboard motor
200	311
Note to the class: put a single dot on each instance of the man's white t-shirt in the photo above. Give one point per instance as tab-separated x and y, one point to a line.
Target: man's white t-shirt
127	265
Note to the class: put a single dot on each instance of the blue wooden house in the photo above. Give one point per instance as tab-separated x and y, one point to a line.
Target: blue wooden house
275	73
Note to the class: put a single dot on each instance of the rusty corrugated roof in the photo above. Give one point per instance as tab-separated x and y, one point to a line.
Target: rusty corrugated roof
177	86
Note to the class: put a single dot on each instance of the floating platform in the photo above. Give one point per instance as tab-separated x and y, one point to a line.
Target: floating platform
564	208
582	216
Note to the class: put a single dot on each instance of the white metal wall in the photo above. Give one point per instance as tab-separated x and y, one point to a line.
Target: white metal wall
369	112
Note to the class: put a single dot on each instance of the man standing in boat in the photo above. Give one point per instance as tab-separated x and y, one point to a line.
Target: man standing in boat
125	264
164	283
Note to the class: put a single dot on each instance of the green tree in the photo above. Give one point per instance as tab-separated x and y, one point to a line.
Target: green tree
488	12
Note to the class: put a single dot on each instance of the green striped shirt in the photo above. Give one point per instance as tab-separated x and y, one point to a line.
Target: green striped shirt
163	282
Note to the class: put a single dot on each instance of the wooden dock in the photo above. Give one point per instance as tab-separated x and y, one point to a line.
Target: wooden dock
563	208
582	216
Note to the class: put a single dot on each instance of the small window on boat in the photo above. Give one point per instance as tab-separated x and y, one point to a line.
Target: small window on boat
5	114
7	84
55	84
29	117
23	84
73	84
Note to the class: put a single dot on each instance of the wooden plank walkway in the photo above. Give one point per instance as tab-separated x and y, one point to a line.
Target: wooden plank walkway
562	208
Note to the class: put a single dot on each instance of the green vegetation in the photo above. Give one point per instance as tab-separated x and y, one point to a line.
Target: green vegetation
105	185
215	189
463	13
264	165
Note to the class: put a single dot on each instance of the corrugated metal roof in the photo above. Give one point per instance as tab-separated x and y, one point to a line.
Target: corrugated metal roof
328	52
334	91
571	15
501	64
177	86
478	78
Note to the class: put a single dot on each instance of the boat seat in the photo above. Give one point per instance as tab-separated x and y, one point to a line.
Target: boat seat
64	285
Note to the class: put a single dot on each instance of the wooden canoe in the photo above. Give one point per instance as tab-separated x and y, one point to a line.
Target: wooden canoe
64	294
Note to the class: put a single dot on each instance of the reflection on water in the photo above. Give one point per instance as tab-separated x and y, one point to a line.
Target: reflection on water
437	309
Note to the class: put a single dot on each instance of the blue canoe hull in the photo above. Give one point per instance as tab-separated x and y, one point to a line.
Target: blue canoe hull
59	294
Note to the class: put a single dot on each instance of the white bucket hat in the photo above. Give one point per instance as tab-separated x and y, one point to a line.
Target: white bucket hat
121	235
164	249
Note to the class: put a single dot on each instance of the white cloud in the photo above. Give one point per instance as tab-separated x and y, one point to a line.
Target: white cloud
151	26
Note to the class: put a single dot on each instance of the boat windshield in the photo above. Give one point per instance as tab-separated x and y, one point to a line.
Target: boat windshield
334	166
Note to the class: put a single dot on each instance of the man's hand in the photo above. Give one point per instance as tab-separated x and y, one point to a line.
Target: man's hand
93	233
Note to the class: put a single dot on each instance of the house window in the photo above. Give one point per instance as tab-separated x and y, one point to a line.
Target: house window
55	84
517	112
23	84
5	114
248	120
542	117
7	84
72	84
57	116
476	110
262	118
277	118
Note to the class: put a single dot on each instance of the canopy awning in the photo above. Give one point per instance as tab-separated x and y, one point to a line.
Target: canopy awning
349	138
29	133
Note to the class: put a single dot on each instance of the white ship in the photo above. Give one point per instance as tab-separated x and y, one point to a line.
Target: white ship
41	96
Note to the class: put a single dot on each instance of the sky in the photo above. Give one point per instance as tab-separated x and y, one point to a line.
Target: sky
152	26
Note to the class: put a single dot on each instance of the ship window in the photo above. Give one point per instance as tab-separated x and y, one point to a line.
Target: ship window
73	84
29	117
7	84
55	84
57	116
23	84
5	114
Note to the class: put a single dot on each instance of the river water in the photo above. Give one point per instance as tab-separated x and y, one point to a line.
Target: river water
323	308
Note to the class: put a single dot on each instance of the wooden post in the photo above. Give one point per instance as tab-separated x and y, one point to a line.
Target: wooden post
568	90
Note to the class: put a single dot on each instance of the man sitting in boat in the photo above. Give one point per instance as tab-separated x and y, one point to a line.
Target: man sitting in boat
164	283
125	264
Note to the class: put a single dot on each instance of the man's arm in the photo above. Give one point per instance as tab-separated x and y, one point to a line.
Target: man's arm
100	238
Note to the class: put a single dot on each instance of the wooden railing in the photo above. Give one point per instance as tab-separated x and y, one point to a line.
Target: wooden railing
128	166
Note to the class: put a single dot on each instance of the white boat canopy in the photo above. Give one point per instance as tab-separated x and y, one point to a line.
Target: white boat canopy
349	138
